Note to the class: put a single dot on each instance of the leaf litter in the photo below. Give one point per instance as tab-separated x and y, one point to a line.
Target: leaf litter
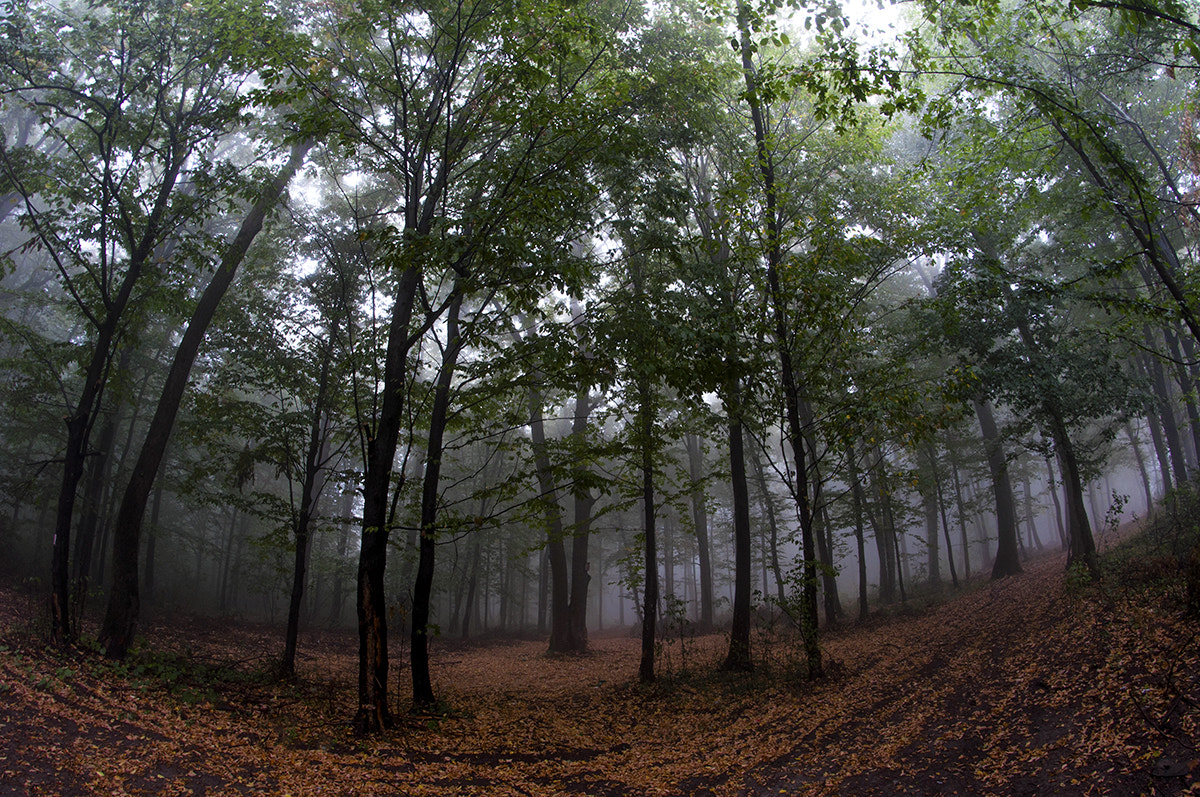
1024	686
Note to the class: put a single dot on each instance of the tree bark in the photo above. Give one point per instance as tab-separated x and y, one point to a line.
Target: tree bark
738	658
699	497
1007	562
423	697
556	556
779	310
310	493
577	635
116	634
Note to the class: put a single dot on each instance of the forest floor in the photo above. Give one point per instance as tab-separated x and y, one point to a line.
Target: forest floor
1036	684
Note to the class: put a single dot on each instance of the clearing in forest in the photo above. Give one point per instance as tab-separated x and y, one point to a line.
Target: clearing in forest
1032	685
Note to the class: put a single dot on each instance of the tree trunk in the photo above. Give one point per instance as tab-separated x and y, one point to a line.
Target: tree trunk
962	518
1136	448
941	502
1029	519
577	635
423	696
768	505
650	595
699	498
1079	530
343	546
556	556
1166	413
738	659
929	502
99	478
779	311
310	493
119	622
856	494
1007	562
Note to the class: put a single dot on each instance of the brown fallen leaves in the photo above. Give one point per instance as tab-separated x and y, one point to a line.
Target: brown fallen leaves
1020	687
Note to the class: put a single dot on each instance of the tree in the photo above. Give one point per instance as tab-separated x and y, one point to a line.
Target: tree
116	634
478	117
137	106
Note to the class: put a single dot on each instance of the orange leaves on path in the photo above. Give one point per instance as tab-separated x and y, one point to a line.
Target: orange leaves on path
1015	687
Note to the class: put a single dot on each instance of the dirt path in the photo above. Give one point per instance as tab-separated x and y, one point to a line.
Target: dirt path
1014	688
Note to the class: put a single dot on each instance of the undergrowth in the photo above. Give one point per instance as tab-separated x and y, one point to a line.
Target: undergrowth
1160	562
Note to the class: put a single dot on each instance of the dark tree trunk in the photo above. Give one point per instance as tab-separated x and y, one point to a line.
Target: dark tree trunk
577	635
338	596
119	622
779	311
1165	412
310	493
768	505
833	606
885	535
939	498
423	696
930	502
738	659
99	478
650	594
556	555
1079	530
961	508
1052	483
860	544
1029	519
1007	562
699	497
1136	448
472	582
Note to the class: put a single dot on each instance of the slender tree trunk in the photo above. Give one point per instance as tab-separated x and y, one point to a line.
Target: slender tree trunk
738	659
962	517
310	494
857	496
700	519
423	696
768	505
343	546
577	635
1052	486
1007	562
832	603
556	557
930	502
650	595
1136	448
472	582
1029	519
1166	414
941	502
120	620
791	391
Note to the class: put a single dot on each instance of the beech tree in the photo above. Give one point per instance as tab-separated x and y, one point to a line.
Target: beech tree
136	106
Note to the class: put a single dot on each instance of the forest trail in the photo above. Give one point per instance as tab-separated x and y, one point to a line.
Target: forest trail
1025	686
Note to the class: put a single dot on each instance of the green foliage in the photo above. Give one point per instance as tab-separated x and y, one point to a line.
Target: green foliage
182	675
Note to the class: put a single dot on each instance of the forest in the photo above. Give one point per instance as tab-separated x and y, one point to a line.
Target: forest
713	332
